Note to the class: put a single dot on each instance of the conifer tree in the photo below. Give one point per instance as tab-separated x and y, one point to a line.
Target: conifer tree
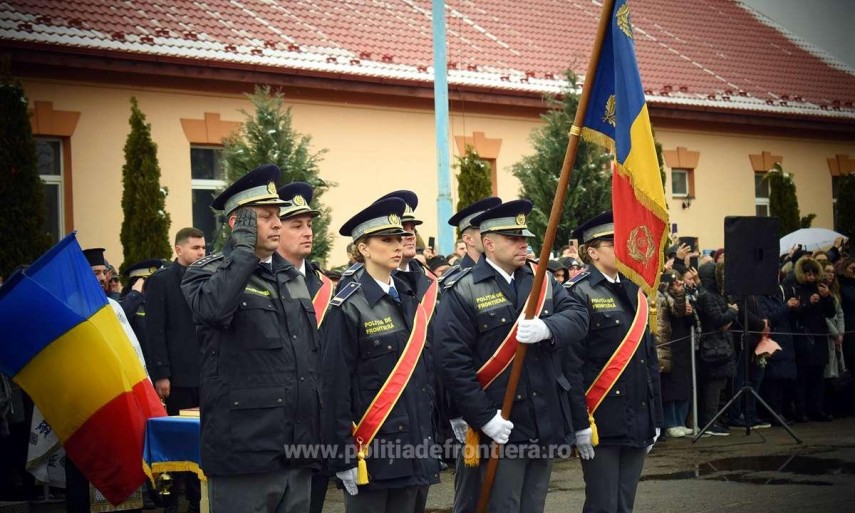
23	212
783	202
846	206
145	227
267	136
474	180
590	183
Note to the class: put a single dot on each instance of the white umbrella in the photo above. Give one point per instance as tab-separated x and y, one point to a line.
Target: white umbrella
811	239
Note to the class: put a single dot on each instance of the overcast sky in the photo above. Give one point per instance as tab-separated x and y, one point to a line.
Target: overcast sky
828	24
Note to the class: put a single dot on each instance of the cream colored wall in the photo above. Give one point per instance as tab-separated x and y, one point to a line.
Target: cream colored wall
724	178
371	151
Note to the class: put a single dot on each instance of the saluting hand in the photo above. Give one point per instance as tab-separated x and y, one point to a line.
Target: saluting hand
245	231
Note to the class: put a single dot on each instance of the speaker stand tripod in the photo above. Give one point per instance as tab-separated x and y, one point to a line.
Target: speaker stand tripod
746	389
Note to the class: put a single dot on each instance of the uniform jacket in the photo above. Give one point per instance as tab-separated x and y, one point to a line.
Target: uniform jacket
475	315
260	356
363	338
632	409
172	350
133	304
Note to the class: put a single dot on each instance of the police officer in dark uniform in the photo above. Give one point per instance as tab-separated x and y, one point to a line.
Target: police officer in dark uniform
408	262
467	480
295	246
260	356
469	234
367	335
629	418
477	312
133	300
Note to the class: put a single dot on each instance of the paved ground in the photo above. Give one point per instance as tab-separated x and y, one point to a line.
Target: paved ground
766	472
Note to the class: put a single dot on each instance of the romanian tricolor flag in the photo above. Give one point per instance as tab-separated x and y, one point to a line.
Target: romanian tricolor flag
62	343
617	118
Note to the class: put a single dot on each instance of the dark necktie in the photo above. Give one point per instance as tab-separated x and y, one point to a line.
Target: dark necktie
393	293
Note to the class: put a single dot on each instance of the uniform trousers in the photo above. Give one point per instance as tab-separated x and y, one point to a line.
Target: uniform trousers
392	500
520	484
320	483
467	485
611	479
281	491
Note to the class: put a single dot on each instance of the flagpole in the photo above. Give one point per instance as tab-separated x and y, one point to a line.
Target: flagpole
548	240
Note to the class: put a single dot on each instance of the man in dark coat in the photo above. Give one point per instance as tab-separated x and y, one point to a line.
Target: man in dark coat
629	418
476	314
172	351
260	358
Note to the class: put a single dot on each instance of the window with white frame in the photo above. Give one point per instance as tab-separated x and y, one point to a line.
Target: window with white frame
679	183
49	156
761	195
208	178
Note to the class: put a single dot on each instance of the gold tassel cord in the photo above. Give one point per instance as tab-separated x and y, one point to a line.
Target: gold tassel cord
361	467
471	458
595	436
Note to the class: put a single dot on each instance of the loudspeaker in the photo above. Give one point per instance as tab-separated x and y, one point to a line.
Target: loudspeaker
751	256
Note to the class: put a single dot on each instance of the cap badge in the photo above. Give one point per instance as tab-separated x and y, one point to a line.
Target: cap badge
271	187
394	219
299	201
520	219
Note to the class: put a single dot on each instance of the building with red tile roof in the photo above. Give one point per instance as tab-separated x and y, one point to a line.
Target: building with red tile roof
718	76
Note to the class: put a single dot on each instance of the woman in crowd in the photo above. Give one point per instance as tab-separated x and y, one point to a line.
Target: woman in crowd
378	384
779	378
676	316
715	354
815	305
846	280
836	329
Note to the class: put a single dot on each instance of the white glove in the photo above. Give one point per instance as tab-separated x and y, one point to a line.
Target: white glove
655	437
498	428
584	444
533	330
348	479
459	427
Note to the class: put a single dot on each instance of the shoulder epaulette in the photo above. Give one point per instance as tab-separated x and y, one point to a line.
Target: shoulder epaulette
207	260
345	293
576	279
352	269
448	274
454	279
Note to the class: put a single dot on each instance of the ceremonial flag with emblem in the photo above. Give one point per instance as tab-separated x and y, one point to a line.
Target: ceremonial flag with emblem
617	118
63	344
